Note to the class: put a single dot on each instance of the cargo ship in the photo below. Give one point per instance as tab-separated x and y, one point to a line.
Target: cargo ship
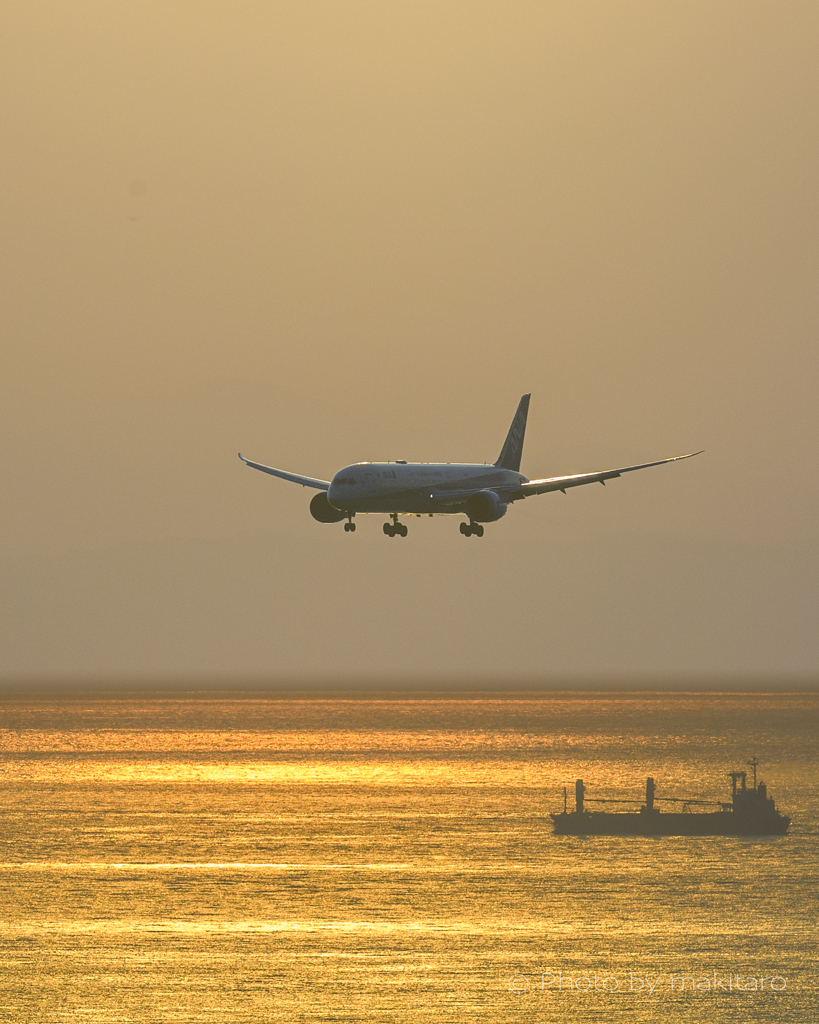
751	812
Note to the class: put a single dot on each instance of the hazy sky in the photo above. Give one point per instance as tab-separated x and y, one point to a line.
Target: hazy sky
328	232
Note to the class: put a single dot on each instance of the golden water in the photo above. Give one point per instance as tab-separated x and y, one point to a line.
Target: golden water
392	860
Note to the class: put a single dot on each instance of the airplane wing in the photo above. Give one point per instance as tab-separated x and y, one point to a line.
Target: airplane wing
305	481
560	483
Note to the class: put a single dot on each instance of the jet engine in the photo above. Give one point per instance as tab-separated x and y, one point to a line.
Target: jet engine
485	507
323	511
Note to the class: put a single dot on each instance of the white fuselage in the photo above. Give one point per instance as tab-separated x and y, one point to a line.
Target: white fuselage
414	488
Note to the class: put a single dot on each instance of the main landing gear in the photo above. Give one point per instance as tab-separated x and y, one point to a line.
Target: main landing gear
349	526
467	529
395	528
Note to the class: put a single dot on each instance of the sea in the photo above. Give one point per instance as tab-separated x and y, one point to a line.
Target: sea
239	859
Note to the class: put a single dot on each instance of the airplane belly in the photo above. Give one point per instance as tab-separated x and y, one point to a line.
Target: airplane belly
403	503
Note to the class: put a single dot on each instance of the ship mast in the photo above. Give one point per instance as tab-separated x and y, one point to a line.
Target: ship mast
752	764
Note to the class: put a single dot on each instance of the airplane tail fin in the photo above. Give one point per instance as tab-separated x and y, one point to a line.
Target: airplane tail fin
513	445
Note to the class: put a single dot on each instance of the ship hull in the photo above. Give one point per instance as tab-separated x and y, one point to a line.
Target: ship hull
628	823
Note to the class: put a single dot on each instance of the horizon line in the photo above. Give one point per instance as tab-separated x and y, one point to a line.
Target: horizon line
372	687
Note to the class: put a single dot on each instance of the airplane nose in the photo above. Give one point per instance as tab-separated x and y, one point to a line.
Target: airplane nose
335	493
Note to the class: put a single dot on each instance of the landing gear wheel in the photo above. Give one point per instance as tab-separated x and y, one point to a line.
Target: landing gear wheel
477	529
395	528
465	529
352	527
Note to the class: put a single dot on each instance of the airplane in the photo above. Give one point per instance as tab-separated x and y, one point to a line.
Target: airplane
482	493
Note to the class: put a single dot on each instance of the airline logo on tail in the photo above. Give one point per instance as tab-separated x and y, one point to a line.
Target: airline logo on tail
513	445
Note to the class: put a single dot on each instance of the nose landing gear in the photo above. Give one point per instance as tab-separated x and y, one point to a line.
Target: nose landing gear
349	526
467	529
395	528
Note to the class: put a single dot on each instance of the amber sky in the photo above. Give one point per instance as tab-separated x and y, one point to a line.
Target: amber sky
326	232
